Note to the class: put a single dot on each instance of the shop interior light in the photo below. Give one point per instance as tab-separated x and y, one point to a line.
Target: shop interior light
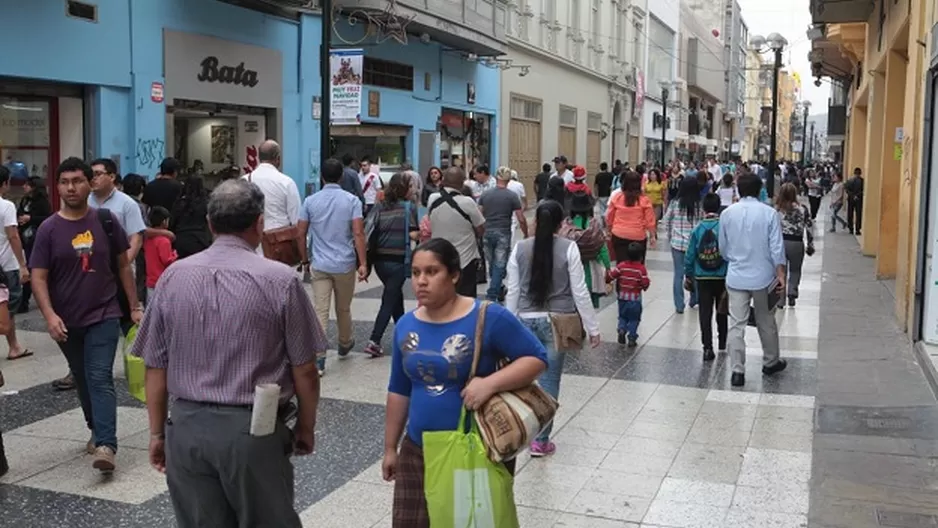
22	108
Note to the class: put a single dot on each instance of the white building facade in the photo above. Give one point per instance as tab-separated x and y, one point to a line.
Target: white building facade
569	82
659	128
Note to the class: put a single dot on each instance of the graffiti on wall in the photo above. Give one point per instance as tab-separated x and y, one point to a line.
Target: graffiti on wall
149	152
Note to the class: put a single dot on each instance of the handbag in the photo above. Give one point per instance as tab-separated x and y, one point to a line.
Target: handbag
283	243
568	331
509	421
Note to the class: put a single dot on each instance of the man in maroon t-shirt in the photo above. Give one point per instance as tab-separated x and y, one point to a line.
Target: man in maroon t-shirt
77	269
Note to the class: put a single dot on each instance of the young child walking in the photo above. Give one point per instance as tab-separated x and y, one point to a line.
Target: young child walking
631	280
705	269
158	250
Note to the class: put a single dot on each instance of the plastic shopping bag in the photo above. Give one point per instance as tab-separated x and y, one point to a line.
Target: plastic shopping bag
134	368
464	489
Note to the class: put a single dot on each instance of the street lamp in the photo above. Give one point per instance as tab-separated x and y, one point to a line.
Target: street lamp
665	93
804	132
732	117
776	43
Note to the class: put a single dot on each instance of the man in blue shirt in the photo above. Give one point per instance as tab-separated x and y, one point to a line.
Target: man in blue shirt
751	243
333	219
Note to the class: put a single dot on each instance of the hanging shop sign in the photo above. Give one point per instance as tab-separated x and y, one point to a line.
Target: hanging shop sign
221	71
345	72
156	92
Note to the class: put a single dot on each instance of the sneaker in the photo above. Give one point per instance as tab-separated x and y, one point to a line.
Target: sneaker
621	337
791	300
778	366
373	349
633	342
540	449
103	459
344	350
708	354
64	384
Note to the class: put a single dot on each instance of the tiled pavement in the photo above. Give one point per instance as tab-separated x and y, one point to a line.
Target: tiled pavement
650	437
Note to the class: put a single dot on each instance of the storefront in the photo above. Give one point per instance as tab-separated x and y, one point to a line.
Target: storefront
925	319
221	102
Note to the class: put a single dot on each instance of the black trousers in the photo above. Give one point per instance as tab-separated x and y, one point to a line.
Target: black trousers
855	214
620	247
467	280
815	202
709	293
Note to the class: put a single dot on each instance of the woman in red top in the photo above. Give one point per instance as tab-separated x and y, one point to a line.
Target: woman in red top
631	217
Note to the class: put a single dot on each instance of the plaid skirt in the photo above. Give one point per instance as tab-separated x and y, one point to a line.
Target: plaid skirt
410	502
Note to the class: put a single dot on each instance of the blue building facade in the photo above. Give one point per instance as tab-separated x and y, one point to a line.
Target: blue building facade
206	81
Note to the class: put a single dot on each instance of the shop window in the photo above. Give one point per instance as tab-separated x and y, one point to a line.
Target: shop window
465	138
387	74
387	151
26	127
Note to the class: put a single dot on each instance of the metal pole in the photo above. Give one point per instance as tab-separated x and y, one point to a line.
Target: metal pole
664	124
811	152
804	138
770	184
325	117
732	135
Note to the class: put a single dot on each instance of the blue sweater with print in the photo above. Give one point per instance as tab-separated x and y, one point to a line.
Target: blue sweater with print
691	264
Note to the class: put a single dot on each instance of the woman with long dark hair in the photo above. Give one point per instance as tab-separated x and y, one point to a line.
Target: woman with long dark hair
631	217
34	207
796	223
547	286
680	220
430	371
433	184
189	219
389	251
655	190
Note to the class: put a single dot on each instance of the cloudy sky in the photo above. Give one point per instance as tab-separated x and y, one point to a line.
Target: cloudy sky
791	18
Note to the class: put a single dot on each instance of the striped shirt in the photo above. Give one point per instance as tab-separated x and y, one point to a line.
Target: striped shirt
392	239
225	320
631	280
678	226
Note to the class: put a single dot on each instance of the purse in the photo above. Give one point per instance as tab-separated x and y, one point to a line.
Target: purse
568	331
510	420
283	243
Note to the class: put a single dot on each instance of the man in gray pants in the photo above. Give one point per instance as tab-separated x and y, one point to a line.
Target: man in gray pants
221	323
751	243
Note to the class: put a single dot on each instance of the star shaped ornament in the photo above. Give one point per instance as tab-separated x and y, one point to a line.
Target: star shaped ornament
393	25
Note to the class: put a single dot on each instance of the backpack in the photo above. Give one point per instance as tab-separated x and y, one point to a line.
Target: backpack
708	251
589	241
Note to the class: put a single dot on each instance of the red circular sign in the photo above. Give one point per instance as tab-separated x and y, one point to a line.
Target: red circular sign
156	92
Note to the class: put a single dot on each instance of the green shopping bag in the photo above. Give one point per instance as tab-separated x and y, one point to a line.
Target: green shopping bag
134	368
464	489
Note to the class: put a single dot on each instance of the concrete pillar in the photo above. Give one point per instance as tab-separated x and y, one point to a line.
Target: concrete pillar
873	149
856	139
891	166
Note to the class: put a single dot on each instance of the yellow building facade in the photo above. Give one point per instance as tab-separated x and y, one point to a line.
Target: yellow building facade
789	88
889	53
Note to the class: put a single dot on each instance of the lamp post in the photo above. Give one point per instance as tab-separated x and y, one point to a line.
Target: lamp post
732	117
804	132
775	43
665	93
811	152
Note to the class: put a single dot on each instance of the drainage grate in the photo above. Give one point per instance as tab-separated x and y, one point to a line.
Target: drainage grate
905	519
888	423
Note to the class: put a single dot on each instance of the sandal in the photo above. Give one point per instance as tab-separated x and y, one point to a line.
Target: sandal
25	353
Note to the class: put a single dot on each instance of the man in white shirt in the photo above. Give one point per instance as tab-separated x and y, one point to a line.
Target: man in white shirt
480	181
562	170
13	262
281	196
716	173
371	183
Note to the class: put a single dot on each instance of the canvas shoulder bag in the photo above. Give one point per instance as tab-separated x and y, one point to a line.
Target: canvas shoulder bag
510	420
283	243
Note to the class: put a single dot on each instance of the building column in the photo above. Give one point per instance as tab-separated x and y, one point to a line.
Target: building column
856	138
891	166
873	149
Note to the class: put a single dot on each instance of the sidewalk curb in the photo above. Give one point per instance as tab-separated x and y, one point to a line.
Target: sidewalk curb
929	368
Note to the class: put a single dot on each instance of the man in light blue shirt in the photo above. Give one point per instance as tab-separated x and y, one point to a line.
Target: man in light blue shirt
105	195
333	219
751	243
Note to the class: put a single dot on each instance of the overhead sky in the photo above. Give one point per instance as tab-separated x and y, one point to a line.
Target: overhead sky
791	18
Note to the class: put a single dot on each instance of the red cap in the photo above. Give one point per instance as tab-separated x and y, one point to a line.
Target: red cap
579	172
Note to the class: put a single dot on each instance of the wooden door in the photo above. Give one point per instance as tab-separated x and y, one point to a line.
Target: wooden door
524	152
593	153
567	143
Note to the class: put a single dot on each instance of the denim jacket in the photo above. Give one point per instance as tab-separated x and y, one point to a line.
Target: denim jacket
691	266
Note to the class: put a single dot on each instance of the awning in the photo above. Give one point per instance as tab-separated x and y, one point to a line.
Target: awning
369	131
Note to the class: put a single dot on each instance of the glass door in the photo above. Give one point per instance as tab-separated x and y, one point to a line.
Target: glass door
28	141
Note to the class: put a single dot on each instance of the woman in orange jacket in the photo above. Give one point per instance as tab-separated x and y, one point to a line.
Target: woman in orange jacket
631	217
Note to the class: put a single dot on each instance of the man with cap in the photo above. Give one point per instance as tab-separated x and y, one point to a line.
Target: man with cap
561	169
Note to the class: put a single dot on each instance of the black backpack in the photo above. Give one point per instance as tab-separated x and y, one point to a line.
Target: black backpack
708	251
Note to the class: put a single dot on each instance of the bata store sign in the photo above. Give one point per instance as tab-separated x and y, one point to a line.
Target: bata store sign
202	68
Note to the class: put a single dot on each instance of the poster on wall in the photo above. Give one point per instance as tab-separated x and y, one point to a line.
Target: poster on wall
639	94
223	144
345	67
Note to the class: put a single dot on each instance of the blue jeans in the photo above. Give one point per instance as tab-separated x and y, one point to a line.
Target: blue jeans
550	379
497	247
392	275
90	354
677	257
630	315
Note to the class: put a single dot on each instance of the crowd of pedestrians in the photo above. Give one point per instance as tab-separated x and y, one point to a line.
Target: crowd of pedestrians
218	319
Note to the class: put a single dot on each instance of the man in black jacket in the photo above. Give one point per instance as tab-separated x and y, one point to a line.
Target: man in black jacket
854	190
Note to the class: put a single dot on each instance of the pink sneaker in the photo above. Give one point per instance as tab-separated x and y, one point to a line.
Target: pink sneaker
540	449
